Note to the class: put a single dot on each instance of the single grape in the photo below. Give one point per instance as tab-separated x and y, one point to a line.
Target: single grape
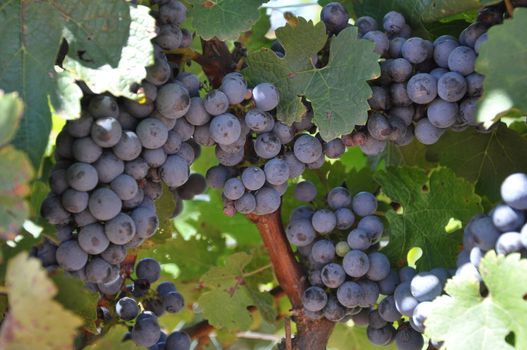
82	177
335	17
350	294
259	121
102	106
481	40
324	221
332	275
83	218
110	288
104	204
148	269
80	127
127	309
427	133
184	129
381	41
285	133
229	159
426	286
106	132
267	201
300	232
333	310
484	233
246	204
462	60
302	212
314	299
339	197
276	171
323	251
158	73
146	222
415	50
253	178
372	146
442	51
366	24
70	256
296	167
356	263
438	72
393	22
400	70
217	175
173	101
382	337
108	167
58	181
407	273
92	239
422	88
509	242
175	171
216	102
173	302
129	146
507	219
137	168
146	331
407	338
124	186
267	145
379	127
345	218
514	191
373	225
364	204
305	191
361	318
121	229
172	12
154	157
233	189
470	34
396	46
399	95
379	99
152	133
334	148
178	341
74	201
379	266
358	239
234	87
114	254
99	271
266	96
442	114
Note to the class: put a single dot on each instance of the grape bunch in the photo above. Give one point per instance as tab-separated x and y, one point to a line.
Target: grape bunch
340	247
111	164
503	230
257	153
425	87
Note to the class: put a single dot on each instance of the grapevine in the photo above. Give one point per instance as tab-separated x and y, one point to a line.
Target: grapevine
244	174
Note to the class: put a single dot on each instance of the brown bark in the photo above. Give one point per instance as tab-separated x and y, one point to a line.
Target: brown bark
311	334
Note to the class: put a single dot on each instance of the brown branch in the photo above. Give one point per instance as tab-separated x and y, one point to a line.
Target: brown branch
311	334
509	7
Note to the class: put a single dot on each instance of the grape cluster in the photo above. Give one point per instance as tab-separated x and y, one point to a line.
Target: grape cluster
139	307
425	87
340	245
112	161
257	153
503	230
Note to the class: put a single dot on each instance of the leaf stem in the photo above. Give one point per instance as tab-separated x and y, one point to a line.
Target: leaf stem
257	271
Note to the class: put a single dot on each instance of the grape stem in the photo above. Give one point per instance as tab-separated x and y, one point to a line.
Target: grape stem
311	334
510	8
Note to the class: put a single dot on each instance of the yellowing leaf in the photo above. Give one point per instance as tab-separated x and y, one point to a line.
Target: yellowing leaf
35	320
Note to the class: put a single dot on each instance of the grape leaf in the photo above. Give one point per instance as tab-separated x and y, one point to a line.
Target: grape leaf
255	39
65	99
15	174
338	92
228	296
485	159
35	320
11	108
96	31
74	296
224	19
137	54
30	40
300	43
429	202
501	61
483	322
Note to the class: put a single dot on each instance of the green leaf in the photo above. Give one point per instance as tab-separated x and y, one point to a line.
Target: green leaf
353	337
74	296
65	100
256	37
485	159
224	19
165	207
137	54
11	108
225	304
338	92
96	31
483	322
35	320
15	174
300	43
30	40
501	61
429	202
